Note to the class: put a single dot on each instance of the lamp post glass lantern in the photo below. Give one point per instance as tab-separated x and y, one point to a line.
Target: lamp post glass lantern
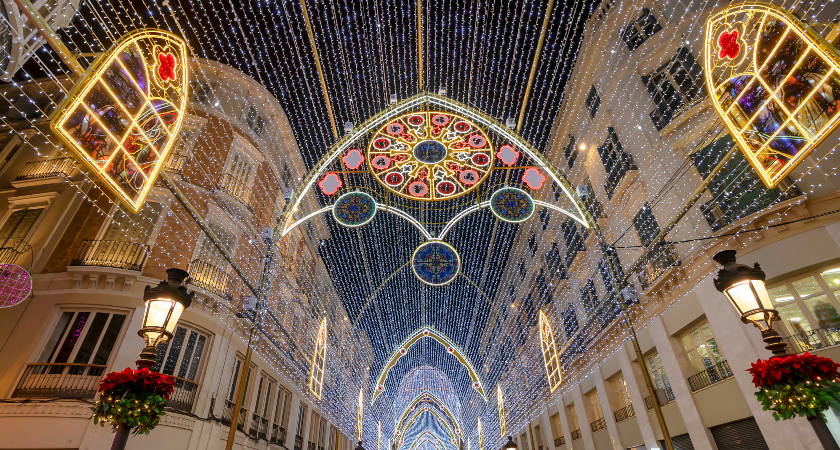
164	305
509	445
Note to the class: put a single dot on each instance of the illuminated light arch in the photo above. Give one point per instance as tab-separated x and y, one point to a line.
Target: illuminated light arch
553	372
427	437
319	361
430	332
454	436
407	105
427	397
502	425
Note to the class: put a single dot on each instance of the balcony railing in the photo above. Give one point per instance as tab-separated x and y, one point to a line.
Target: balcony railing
183	397
298	442
227	416
710	376
278	435
117	254
9	255
598	425
259	427
210	278
807	341
660	258
560	441
624	164
59	167
59	381
624	413
669	395
176	164
751	196
236	187
311	446
576	434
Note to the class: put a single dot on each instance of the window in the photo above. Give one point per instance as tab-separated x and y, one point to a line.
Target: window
574	242
254	120
674	86
587	197
139	227
82	337
658	376
569	151
545	218
702	349
204	93
610	267
523	269
589	296
622	394
11	148
570	322
646	226
642	29
593	102
616	162
808	308
595	402
14	232
181	355
532	243
301	421
554	262
208	252
573	413
736	191
237	366
281	410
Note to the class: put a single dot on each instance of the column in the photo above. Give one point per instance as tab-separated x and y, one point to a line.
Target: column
583	418
700	436
294	418
565	423
307	425
608	408
636	385
742	345
547	432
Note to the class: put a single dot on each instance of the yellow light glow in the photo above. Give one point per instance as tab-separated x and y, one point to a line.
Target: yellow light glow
378	435
774	129
360	414
319	361
480	436
553	371
424	397
502	426
124	114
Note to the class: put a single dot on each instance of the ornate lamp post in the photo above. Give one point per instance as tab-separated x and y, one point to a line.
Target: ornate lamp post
509	445
359	447
164	305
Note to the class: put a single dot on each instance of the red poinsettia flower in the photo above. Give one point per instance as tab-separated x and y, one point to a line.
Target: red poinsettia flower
792	369
137	380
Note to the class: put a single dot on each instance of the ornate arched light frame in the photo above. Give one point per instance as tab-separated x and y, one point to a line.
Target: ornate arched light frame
454	436
423	438
430	332
427	397
287	223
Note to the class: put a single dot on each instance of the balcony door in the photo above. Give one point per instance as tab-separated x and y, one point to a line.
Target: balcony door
15	231
139	227
181	357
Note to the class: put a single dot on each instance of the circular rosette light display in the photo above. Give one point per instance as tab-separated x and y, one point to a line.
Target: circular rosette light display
354	209
15	285
436	263
430	156
511	204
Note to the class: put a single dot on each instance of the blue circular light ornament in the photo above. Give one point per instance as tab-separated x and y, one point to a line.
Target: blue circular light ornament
354	209
511	205
435	263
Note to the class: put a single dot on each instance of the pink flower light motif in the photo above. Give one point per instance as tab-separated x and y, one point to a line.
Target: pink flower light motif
533	178
353	159
330	184
508	155
15	285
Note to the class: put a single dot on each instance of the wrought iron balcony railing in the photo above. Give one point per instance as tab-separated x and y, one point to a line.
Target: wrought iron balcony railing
10	254
710	376
59	167
183	397
598	425
117	254
669	397
560	441
278	435
298	442
624	413
175	164
227	416
808	341
576	434
660	258
210	278
59	381
747	197
259	427
236	187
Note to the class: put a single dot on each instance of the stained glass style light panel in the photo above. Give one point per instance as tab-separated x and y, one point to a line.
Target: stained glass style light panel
775	83
319	361
549	351
124	114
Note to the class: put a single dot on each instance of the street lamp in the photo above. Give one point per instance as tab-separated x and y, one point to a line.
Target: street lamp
744	287
164	305
509	445
359	447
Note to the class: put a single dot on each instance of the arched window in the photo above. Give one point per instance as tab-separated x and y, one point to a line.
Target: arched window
549	352
319	360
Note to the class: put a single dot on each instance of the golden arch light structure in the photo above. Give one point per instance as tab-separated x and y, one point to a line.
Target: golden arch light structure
774	81
553	371
427	332
319	361
124	114
426	397
454	436
501	398
427	437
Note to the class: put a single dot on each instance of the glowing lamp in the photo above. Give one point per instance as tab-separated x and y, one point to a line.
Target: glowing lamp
164	305
509	445
744	287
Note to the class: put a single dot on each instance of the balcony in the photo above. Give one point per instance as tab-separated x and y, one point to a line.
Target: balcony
808	341
710	376
210	278
227	416
665	396
259	427
598	425
10	254
183	397
298	443
278	435
660	258
576	434
311	446
749	197
176	164
236	188
80	381
560	441
116	254
40	172
662	119
624	413
624	165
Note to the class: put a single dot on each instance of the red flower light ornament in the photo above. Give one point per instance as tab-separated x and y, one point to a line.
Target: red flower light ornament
728	44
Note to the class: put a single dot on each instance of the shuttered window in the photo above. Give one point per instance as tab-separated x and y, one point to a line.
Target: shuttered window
740	435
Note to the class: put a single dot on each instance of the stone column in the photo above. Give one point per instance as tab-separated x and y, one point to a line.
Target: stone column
667	347
547	432
638	391
608	408
583	418
742	345
294	418
565	423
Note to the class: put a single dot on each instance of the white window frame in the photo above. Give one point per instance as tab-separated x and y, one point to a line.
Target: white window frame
160	196
195	125
16	144
208	345
219	217
241	146
35	201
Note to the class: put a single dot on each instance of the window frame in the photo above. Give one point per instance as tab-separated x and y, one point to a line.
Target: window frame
799	300
593	101
638	26
208	345
165	202
662	107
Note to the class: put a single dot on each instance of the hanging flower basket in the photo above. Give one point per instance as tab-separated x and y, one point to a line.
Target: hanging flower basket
797	385
133	398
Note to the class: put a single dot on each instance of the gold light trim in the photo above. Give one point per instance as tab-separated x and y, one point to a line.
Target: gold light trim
779	101
319	361
124	114
453	435
480	436
360	414
426	397
502	425
554	374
